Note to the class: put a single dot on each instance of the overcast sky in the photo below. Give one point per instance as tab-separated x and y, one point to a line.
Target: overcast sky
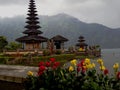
106	12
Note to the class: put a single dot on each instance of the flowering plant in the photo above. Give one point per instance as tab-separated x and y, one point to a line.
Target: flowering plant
80	75
81	49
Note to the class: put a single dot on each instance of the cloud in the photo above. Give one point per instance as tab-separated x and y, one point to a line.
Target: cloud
19	2
106	12
75	1
12	2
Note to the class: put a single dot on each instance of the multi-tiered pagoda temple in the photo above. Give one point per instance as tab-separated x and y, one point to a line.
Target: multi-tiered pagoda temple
82	43
32	39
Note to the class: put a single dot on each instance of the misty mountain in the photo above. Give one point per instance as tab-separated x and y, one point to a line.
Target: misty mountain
65	25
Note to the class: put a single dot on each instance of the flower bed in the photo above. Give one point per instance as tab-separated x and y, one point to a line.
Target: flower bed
80	75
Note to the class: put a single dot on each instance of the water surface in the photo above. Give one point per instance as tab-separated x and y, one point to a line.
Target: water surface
110	57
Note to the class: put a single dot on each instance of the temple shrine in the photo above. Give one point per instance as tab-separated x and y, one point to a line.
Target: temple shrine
82	45
59	41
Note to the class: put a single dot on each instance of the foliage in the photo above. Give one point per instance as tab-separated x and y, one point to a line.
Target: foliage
71	49
13	46
80	75
46	52
4	59
3	42
58	52
62	58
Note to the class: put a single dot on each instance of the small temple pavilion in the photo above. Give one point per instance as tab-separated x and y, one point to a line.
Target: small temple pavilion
59	41
32	39
82	44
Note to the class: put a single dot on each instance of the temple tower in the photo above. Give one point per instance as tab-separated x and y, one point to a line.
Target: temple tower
82	44
32	39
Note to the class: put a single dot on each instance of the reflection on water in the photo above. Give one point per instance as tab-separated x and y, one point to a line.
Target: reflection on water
111	56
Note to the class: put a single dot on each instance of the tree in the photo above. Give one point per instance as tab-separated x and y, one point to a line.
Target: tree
3	42
13	46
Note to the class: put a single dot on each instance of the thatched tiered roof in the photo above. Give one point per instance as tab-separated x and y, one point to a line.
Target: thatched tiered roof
81	42
32	32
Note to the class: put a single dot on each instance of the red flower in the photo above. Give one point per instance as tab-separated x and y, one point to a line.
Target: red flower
106	71
82	62
83	69
56	64
118	75
52	59
40	73
41	64
54	67
47	64
78	69
42	68
79	65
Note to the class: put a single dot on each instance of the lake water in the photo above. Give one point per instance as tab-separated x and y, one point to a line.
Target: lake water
111	56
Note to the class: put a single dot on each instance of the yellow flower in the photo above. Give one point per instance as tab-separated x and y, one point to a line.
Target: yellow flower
116	66
30	73
74	62
81	49
87	61
102	68
93	65
100	61
89	66
71	68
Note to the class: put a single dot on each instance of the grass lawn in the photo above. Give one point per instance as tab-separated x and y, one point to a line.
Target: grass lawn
34	60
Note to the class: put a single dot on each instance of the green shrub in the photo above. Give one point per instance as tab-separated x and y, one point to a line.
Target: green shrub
4	60
46	52
58	52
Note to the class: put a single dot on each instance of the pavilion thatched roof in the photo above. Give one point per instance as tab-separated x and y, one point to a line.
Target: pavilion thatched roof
59	38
